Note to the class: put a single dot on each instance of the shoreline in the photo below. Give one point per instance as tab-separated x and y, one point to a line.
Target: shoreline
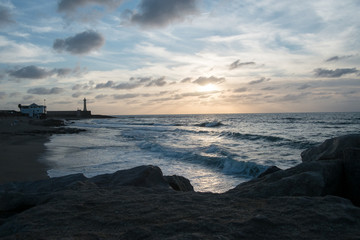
20	160
22	143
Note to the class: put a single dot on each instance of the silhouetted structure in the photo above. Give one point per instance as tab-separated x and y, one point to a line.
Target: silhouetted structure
33	110
71	114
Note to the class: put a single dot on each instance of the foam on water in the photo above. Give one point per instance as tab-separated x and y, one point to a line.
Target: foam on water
216	152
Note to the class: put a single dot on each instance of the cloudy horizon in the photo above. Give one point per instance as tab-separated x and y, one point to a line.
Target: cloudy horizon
181	56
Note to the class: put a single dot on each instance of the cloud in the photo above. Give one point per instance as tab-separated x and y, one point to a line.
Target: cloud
141	79
259	81
238	64
337	58
63	72
125	96
160	13
77	94
243	89
71	8
108	84
101	96
304	86
160	82
320	72
84	86
45	91
73	5
133	83
268	88
127	85
293	97
5	16
186	80
34	72
207	80
81	43
31	72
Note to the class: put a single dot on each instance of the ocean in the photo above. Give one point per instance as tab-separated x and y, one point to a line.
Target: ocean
215	152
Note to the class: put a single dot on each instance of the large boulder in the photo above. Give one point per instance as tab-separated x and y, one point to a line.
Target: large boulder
306	179
179	183
332	148
17	197
332	168
142	176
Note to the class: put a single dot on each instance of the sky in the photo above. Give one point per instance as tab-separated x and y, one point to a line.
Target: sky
181	56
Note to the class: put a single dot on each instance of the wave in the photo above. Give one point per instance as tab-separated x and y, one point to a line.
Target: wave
210	124
213	157
249	169
291	119
254	137
273	139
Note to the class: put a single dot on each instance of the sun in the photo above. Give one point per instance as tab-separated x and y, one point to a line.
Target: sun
207	88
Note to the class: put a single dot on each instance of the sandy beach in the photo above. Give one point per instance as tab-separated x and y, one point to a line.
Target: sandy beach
20	150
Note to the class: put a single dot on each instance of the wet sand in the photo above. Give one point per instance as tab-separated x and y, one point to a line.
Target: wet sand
20	150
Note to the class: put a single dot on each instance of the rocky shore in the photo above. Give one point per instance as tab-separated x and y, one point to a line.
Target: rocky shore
317	199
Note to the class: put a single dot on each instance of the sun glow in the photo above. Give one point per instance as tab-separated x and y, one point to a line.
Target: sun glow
207	88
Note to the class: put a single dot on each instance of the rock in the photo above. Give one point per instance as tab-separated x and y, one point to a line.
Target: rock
269	170
331	148
351	162
137	204
23	195
319	178
142	176
179	183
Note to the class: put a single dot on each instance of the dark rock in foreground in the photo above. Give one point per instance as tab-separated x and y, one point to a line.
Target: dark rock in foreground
332	148
309	201
334	171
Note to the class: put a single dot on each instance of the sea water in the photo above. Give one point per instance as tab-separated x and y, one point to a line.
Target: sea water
215	152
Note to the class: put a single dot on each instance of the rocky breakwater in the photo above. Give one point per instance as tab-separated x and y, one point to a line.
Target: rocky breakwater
332	168
318	199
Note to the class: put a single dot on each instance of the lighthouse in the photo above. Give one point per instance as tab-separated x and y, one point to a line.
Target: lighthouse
84	110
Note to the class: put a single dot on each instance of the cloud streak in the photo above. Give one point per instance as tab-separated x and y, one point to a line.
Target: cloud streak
338	58
159	13
73	5
202	81
34	72
45	91
5	16
133	83
339	72
80	44
74	9
261	80
125	96
238	64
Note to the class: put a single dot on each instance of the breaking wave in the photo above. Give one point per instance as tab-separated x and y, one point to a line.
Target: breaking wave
274	139
213	157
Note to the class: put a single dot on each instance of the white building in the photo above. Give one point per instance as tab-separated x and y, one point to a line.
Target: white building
33	110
